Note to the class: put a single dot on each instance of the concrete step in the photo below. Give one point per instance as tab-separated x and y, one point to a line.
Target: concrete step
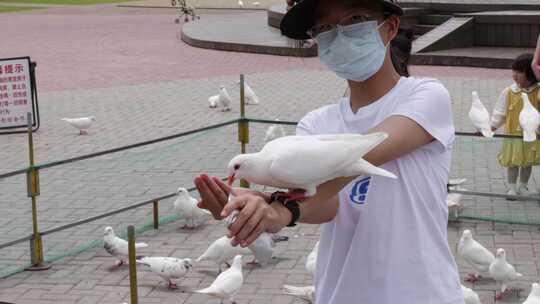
456	32
434	19
421	29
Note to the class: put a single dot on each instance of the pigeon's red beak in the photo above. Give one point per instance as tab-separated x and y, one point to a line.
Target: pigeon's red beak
230	180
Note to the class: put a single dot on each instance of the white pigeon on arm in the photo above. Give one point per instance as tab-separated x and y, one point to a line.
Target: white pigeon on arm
224	99
228	283
306	293
167	267
82	123
221	252
475	254
470	296
311	260
118	247
304	162
529	119
186	208
275	131
534	296
503	272
479	116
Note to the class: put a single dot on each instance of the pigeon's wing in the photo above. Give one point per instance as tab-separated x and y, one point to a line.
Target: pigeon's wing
309	160
478	255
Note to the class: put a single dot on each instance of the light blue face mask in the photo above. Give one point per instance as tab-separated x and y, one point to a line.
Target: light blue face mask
354	52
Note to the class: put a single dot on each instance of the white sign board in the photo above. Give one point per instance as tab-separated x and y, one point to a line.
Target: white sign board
15	92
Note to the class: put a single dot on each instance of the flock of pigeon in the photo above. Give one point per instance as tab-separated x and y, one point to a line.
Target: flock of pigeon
495	266
529	118
222	99
227	283
282	164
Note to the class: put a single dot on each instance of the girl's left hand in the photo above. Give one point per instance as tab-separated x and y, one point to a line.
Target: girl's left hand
256	216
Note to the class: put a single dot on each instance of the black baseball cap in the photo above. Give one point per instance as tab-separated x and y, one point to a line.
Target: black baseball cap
300	18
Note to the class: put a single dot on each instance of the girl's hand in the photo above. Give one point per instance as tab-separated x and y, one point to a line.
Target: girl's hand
256	216
215	194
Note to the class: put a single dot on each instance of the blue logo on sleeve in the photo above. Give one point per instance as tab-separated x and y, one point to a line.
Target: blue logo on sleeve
359	191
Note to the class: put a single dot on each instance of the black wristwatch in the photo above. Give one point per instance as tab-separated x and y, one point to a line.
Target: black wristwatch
291	205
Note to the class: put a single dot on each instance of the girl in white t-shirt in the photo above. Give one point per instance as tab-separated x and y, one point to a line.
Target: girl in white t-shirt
383	241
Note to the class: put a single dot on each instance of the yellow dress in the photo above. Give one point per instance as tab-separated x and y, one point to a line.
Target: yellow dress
516	152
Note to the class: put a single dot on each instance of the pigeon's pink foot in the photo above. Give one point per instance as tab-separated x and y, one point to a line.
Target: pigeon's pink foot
500	295
172	285
472	278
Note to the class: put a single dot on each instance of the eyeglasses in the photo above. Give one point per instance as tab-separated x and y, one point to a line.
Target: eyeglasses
350	20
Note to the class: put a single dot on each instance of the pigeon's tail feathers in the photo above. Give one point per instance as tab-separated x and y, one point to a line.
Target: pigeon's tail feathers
363	167
140	260
141	245
529	136
209	291
306	292
201	258
487	133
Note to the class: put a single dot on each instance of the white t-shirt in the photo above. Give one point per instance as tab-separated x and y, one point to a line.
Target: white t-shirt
388	241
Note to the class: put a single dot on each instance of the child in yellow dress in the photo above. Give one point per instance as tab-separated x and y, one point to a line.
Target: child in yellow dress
516	155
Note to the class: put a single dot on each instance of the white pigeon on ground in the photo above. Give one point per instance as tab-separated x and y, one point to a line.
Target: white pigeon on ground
82	123
224	99
251	97
453	200
529	119
534	296
221	252
116	246
475	254
186	208
275	131
256	3
304	162
228	283
167	267
311	260
306	293
263	247
213	101
479	116
503	272
240	3
470	296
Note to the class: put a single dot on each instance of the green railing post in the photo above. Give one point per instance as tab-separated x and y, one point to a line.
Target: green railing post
32	183
132	265
156	214
243	126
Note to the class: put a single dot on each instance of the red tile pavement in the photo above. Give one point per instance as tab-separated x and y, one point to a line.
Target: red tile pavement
77	49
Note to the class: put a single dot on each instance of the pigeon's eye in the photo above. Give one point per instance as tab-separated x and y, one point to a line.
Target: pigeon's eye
236	167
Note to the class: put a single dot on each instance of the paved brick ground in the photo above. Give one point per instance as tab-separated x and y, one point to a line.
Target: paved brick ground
131	105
